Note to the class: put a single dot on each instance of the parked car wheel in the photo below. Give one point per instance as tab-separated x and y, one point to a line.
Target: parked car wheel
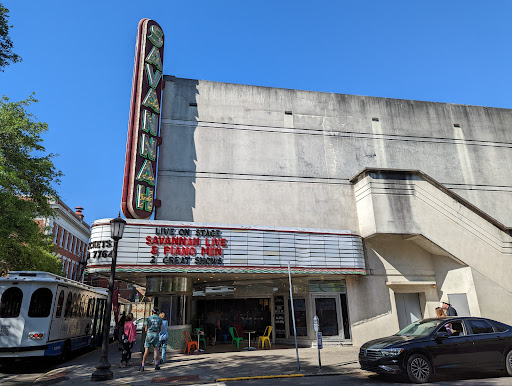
419	369
508	363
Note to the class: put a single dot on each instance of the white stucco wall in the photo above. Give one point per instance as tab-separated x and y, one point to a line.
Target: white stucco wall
237	148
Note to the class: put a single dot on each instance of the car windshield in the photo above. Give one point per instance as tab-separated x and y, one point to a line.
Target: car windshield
419	328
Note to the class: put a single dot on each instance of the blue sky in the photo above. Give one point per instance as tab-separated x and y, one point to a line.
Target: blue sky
78	59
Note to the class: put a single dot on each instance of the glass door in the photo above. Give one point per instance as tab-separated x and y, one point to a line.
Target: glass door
327	309
174	307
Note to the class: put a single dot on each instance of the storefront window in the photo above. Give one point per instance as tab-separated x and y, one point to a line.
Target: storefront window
177	316
168	284
344	316
279	317
327	286
301	321
327	315
245	314
174	307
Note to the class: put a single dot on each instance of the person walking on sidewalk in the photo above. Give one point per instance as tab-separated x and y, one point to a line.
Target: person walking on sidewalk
163	337
127	337
153	327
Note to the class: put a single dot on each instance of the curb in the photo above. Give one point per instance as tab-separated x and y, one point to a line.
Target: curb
260	377
333	373
326	374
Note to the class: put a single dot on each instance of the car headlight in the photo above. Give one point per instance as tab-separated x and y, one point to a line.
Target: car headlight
391	352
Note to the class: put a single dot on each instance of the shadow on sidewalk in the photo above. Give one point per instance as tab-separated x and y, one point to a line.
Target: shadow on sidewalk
216	362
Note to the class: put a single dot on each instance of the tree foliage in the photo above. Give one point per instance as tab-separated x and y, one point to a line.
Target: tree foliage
27	176
6	55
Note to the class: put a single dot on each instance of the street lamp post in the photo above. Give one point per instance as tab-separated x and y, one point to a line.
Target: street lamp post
103	372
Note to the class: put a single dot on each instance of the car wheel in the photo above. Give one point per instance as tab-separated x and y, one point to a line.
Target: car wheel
419	369
508	363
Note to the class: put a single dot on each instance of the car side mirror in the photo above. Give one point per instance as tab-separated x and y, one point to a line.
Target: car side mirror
440	335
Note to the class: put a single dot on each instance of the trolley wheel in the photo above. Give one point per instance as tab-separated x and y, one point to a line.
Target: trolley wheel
7	362
65	355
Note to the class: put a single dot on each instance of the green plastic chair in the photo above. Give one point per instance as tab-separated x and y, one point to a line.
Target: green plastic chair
201	337
235	337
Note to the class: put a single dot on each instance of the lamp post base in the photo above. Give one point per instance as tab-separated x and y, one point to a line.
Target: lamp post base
103	372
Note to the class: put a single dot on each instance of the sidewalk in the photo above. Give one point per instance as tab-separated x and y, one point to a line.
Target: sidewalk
207	367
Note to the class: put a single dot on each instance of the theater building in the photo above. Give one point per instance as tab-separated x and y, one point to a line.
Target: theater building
382	207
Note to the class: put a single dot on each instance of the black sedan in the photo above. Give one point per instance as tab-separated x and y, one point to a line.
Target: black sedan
429	346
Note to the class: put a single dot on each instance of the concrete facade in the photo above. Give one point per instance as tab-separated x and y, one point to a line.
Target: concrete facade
239	139
432	202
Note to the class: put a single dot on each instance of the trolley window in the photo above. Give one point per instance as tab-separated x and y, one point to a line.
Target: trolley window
40	303
79	307
82	306
87	306
60	304
92	307
69	300
74	308
10	304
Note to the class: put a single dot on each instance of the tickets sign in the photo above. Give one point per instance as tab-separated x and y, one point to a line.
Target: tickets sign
139	183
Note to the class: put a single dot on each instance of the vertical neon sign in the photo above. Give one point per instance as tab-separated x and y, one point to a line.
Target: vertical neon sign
139	184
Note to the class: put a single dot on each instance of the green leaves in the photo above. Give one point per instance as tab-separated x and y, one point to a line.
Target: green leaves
27	176
6	55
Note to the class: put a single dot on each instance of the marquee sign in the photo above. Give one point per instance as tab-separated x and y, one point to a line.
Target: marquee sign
197	247
188	245
139	183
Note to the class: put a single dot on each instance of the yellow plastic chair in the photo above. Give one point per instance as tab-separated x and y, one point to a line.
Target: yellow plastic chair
265	338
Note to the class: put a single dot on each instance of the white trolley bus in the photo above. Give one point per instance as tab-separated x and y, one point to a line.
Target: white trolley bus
42	314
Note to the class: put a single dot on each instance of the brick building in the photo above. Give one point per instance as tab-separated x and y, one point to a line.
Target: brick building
71	237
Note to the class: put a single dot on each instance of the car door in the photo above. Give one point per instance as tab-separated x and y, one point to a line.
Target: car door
489	345
455	351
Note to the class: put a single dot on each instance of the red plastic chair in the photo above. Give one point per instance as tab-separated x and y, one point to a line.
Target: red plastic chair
190	343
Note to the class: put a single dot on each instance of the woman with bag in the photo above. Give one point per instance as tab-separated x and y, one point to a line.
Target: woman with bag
126	340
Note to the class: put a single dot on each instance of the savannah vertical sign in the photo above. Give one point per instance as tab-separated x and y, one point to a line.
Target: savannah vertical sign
139	183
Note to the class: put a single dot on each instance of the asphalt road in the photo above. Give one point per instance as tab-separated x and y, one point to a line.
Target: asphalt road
491	378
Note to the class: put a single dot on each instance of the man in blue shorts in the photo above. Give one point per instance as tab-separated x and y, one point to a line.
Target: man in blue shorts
153	327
